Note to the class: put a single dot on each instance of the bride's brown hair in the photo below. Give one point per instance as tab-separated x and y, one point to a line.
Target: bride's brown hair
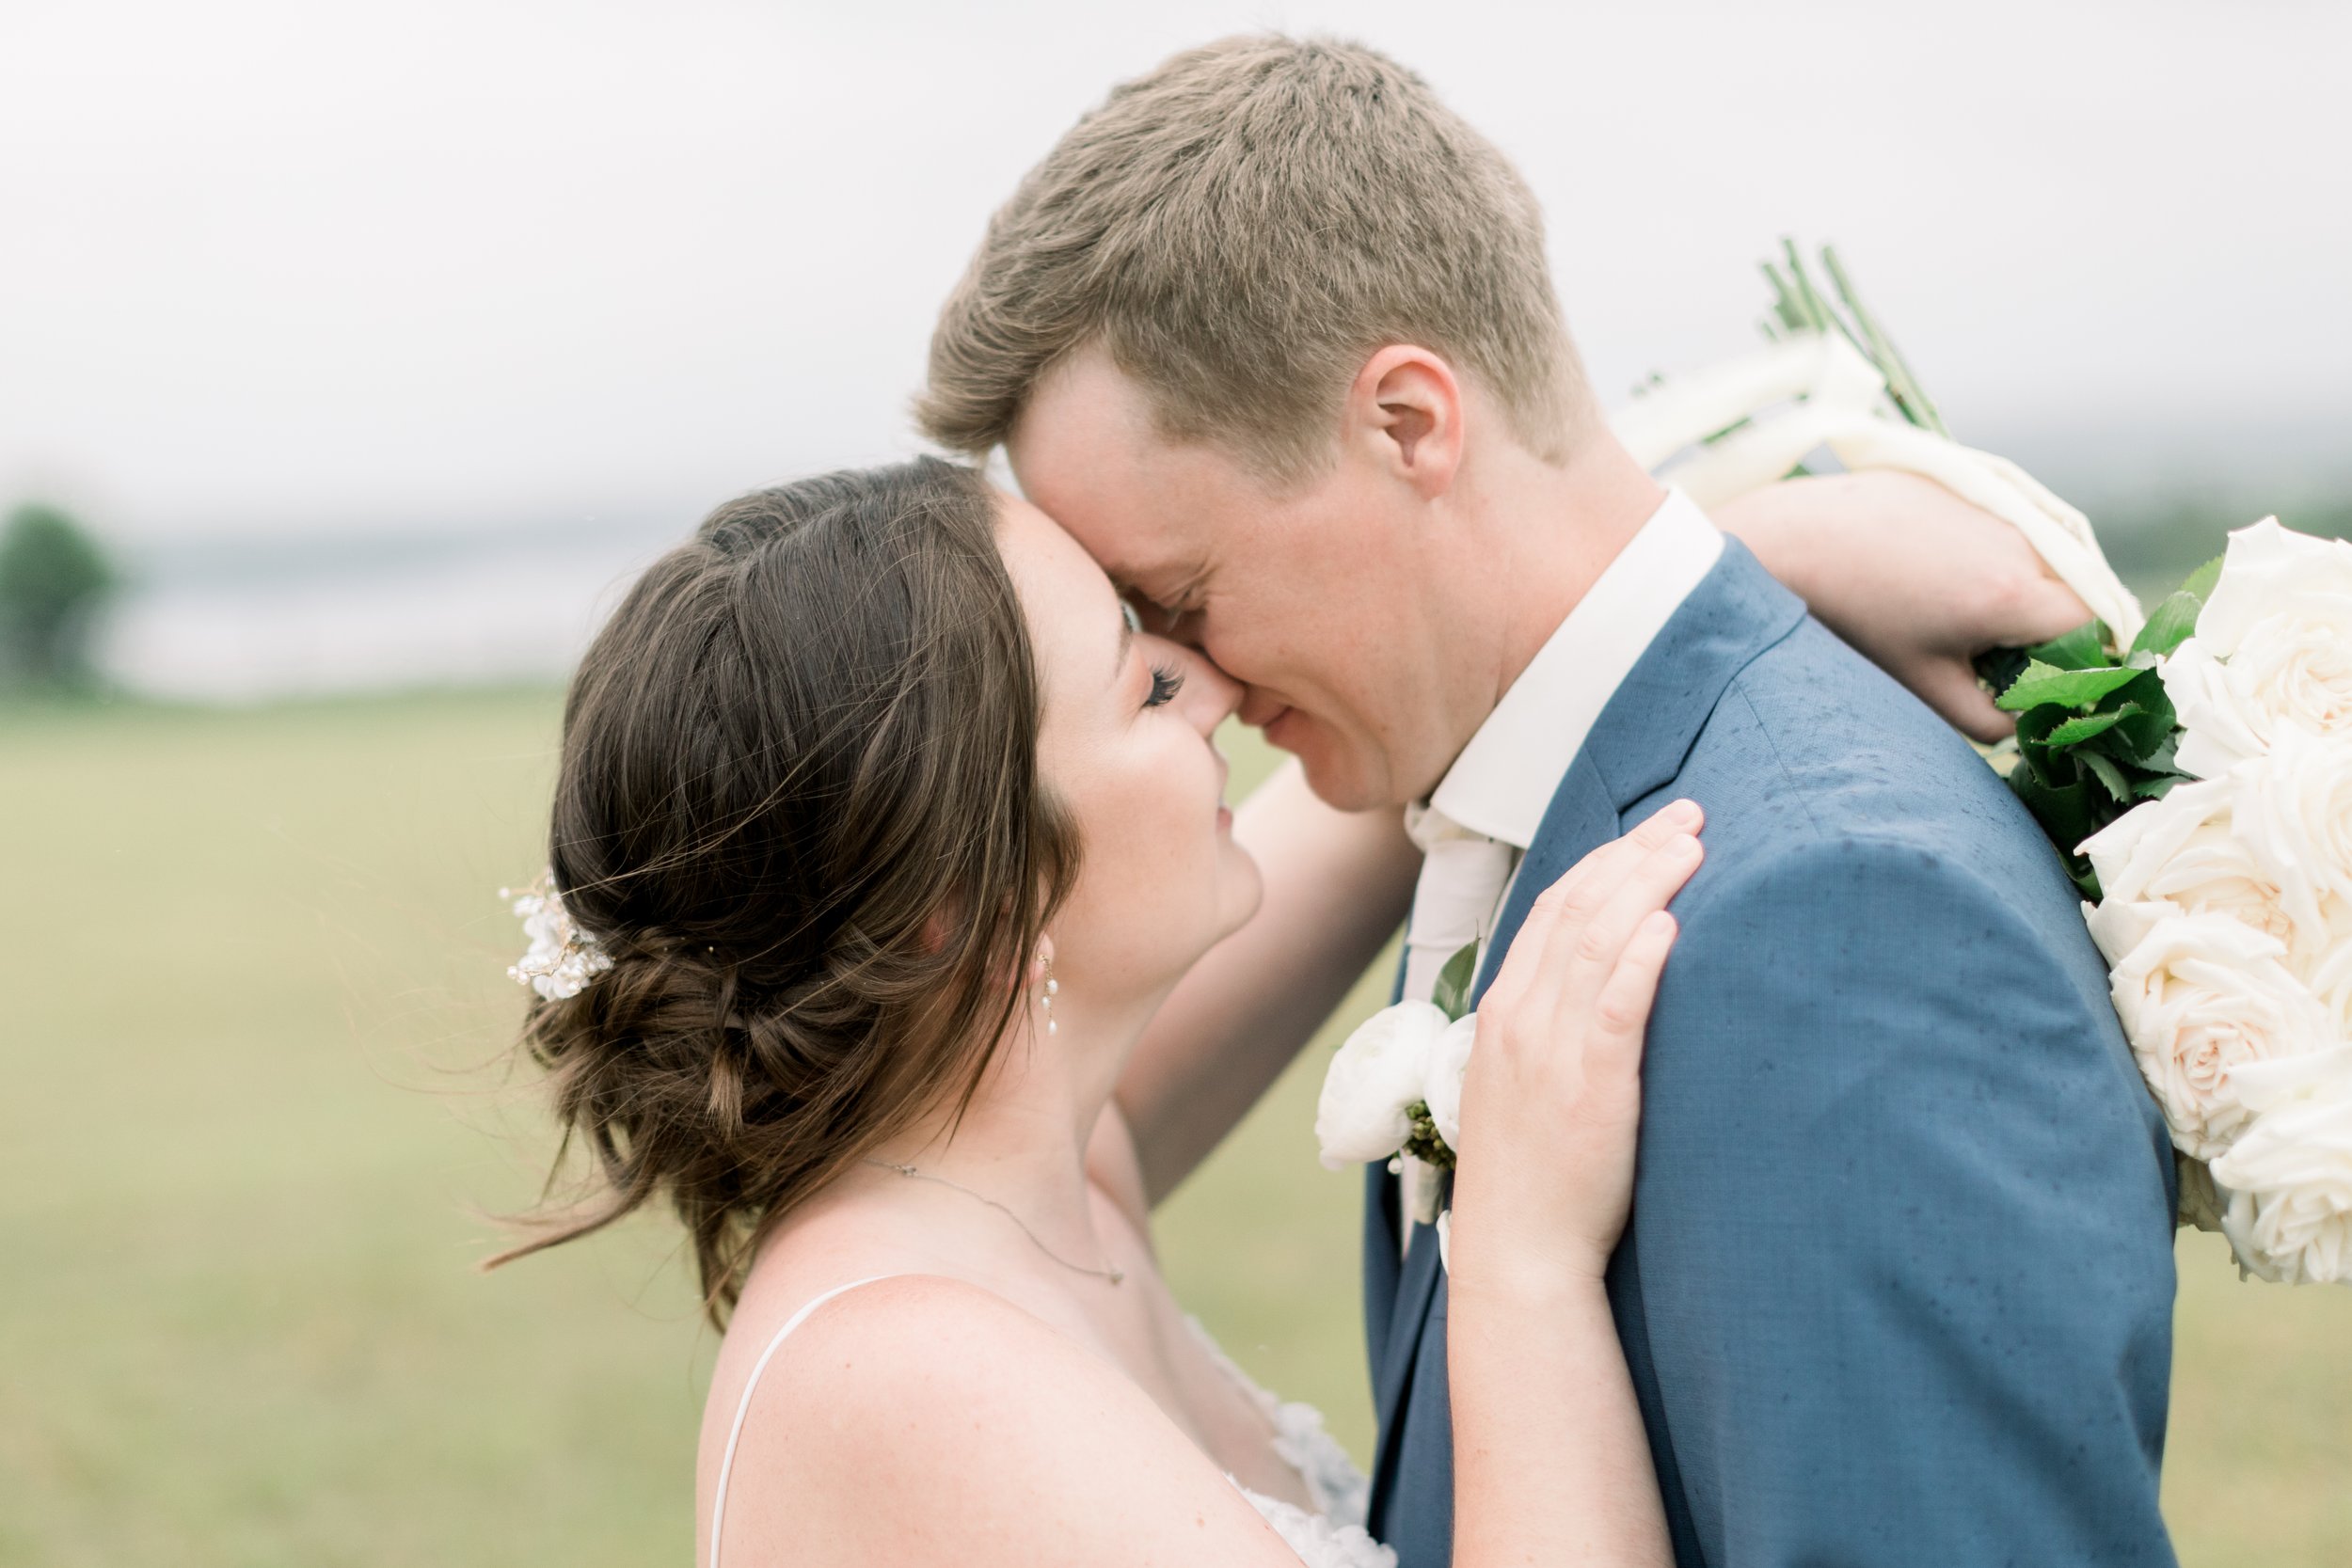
798	806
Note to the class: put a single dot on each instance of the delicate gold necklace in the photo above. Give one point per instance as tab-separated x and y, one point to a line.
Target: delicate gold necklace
1114	1273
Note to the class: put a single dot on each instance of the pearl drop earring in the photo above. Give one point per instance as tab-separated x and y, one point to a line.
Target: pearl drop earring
1045	998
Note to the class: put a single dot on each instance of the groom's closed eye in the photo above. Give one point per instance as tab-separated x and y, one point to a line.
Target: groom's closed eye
1150	614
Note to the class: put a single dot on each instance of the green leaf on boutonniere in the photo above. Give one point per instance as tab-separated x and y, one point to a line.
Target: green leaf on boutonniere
2076	689
1453	992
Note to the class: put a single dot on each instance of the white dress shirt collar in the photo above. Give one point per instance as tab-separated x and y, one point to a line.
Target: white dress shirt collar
1503	782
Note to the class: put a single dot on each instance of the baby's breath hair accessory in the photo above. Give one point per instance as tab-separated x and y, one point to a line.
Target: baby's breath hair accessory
562	958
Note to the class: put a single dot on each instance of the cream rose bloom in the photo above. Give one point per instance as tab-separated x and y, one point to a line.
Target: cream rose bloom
2272	652
2289	1176
2200	996
2183	851
1448	1064
2332	981
1376	1078
2293	812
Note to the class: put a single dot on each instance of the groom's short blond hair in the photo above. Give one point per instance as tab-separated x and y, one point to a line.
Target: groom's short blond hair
1242	228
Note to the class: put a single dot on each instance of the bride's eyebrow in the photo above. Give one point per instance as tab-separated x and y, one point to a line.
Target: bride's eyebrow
1126	641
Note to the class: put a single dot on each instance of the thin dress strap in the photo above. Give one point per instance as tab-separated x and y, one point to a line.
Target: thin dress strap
743	1408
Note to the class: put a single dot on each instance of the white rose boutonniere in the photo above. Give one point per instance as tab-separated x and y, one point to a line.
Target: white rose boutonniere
1394	1090
1376	1084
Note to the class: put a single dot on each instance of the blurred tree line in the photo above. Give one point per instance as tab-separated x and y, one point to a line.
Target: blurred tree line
54	580
2156	543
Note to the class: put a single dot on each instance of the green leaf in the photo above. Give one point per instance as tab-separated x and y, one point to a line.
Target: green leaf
2158	787
2144	732
2033	735
2083	648
2076	689
2065	813
2170	626
2204	580
1452	990
2075	731
2105	770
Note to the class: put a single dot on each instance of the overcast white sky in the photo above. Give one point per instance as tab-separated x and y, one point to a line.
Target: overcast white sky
318	266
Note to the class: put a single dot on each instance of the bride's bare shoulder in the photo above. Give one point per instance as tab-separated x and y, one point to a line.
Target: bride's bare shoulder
922	1418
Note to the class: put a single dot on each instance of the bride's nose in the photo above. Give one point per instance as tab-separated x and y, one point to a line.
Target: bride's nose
1210	695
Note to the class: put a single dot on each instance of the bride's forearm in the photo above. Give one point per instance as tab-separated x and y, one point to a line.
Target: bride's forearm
1337	886
1779	523
1550	1462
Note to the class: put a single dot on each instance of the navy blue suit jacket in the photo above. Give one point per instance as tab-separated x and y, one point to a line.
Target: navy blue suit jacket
1897	1288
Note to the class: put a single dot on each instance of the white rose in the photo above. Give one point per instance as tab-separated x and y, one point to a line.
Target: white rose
1448	1063
2181	851
1376	1075
2199	997
2289	1176
2293	812
2272	652
2331	980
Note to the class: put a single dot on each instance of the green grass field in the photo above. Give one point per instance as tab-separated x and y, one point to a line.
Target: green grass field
253	1020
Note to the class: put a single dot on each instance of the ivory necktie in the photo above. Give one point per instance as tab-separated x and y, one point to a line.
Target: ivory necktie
1463	875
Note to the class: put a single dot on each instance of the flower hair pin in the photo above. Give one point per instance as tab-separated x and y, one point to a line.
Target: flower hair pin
562	958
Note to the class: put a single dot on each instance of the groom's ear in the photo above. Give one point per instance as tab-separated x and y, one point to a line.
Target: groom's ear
1405	410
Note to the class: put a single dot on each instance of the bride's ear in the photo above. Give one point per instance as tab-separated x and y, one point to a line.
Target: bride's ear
1405	412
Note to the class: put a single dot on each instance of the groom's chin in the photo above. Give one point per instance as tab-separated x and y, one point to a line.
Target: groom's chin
1341	777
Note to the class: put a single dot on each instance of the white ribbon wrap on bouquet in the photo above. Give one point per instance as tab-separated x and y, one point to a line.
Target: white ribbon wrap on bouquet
1767	411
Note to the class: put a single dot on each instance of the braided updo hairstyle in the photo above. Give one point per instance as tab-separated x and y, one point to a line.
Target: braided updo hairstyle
798	806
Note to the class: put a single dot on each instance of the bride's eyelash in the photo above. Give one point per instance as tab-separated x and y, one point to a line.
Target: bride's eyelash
1165	683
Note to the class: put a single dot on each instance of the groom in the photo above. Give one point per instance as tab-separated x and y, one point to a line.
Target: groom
1271	333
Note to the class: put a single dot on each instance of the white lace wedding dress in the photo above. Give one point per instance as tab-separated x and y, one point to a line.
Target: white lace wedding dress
1330	1535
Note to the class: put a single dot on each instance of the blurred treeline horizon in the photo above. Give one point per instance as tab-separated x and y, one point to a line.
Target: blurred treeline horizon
238	617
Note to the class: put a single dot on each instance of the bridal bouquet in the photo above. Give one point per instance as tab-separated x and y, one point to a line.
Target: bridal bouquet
2224	895
2193	767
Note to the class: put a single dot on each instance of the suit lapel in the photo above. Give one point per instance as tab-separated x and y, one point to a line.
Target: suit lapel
1636	748
1582	816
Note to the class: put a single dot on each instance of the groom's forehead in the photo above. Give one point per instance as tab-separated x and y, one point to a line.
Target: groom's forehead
1141	505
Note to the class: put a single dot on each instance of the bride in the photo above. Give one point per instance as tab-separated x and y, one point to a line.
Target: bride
901	884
